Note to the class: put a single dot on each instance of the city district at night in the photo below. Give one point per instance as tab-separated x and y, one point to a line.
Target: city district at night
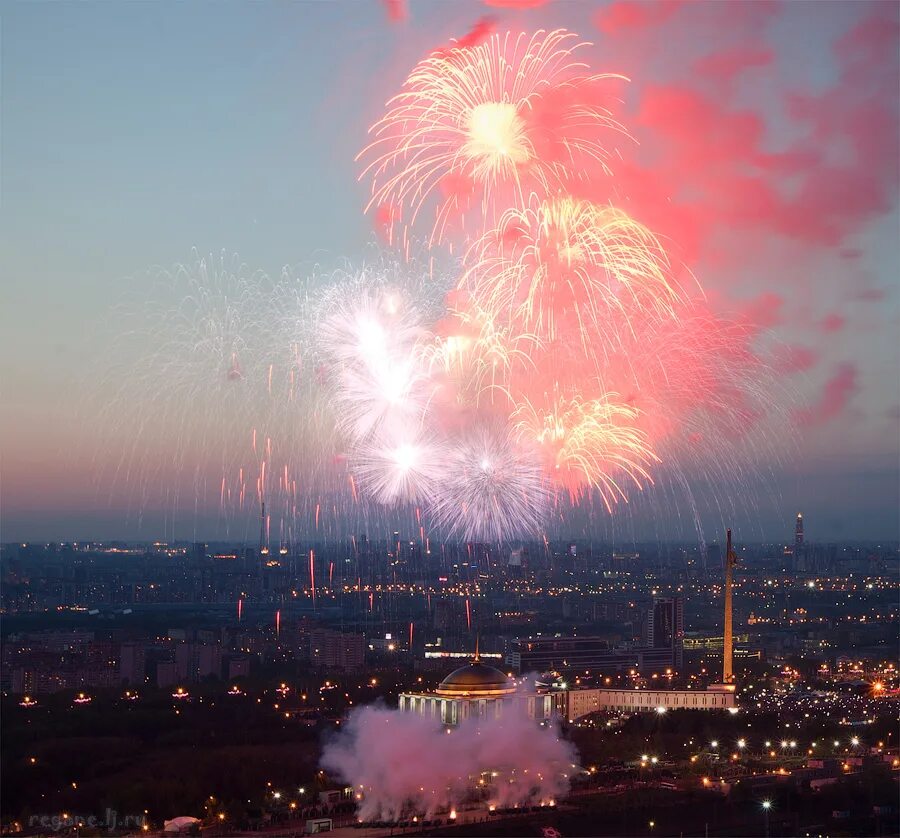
450	418
639	687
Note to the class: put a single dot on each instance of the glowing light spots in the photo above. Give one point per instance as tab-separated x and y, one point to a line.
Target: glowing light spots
496	139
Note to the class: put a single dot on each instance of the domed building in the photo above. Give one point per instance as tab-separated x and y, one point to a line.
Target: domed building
476	679
476	690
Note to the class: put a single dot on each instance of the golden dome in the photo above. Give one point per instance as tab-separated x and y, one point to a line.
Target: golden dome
476	679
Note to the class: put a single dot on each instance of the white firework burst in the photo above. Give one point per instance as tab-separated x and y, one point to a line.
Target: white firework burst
378	382
402	469
493	490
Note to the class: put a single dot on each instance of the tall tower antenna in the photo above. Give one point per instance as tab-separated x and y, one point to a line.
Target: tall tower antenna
263	541
262	527
727	648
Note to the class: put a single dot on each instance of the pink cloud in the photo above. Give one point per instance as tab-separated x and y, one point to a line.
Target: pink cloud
515	4
629	15
833	323
727	64
793	359
397	10
836	395
869	295
707	168
479	32
764	311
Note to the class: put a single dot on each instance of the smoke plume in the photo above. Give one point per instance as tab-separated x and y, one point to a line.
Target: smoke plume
404	764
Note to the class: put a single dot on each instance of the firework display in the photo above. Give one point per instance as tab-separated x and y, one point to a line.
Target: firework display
564	367
564	264
537	352
476	128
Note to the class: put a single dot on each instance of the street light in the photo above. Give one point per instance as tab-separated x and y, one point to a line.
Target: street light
766	806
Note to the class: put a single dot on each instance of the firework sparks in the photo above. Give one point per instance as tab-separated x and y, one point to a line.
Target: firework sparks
566	364
379	385
589	443
469	128
478	355
566	264
492	490
398	471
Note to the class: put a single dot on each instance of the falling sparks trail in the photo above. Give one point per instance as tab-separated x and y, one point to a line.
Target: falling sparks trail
562	361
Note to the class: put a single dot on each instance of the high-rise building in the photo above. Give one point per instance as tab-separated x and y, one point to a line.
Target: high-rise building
132	663
665	622
238	667
336	650
195	661
798	533
166	673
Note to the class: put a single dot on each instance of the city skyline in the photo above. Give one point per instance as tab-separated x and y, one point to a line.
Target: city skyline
621	661
777	527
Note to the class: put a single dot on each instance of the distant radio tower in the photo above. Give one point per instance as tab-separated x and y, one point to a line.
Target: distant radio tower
798	533
727	648
263	545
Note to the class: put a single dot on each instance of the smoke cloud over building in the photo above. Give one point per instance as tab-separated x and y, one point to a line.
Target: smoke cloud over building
404	764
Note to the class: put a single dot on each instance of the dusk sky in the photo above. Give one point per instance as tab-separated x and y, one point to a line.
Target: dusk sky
765	154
